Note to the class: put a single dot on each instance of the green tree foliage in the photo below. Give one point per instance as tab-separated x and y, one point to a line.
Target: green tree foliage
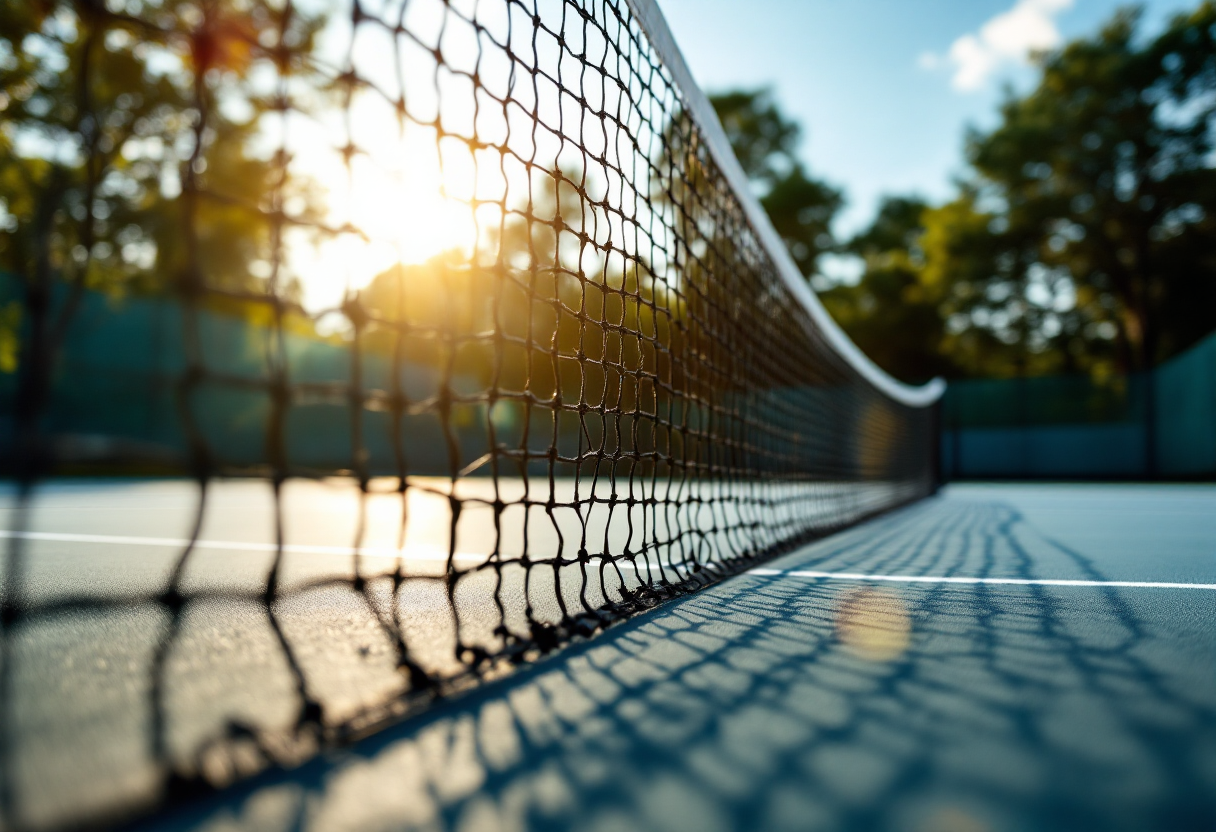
129	146
892	314
1106	190
989	327
1083	237
765	141
763	138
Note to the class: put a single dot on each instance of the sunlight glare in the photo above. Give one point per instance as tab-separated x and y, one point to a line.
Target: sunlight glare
404	207
408	213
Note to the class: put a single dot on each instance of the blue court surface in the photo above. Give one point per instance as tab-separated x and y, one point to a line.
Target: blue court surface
996	658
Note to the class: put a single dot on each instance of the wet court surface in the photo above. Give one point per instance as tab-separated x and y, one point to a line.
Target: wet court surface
1062	677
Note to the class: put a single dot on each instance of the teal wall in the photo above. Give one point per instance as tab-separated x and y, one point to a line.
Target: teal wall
116	394
1072	427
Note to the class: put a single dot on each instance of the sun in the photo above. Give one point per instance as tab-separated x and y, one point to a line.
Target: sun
400	202
410	205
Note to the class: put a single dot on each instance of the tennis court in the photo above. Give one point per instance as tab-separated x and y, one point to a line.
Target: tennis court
410	417
996	657
1064	680
111	688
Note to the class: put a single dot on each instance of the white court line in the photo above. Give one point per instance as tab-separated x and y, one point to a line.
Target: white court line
418	553
413	552
942	579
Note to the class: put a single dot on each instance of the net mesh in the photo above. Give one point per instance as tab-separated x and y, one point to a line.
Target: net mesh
468	271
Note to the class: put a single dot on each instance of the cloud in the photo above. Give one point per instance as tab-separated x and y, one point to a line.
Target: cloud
1003	41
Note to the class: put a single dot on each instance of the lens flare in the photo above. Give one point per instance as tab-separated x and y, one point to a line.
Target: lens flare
873	624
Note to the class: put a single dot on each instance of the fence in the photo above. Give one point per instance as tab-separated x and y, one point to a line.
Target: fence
1072	426
116	405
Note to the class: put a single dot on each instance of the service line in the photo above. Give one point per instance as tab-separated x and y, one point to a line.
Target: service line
951	579
413	552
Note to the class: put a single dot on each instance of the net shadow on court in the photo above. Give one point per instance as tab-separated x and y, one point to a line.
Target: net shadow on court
778	702
141	702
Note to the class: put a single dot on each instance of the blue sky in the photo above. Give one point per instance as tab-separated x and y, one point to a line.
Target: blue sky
883	88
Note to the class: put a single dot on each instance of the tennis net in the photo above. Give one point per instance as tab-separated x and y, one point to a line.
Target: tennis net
466	300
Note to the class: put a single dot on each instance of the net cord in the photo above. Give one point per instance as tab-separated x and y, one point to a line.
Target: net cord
702	112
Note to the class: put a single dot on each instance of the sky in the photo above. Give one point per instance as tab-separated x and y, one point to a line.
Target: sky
884	89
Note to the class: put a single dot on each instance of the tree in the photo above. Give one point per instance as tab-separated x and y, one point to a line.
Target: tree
892	314
973	272
129	162
800	206
1082	239
128	150
542	286
1103	181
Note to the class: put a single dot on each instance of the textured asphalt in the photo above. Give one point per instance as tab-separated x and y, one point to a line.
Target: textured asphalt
105	691
1062	676
791	701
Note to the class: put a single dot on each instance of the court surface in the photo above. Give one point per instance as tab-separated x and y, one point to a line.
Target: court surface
999	657
1076	690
